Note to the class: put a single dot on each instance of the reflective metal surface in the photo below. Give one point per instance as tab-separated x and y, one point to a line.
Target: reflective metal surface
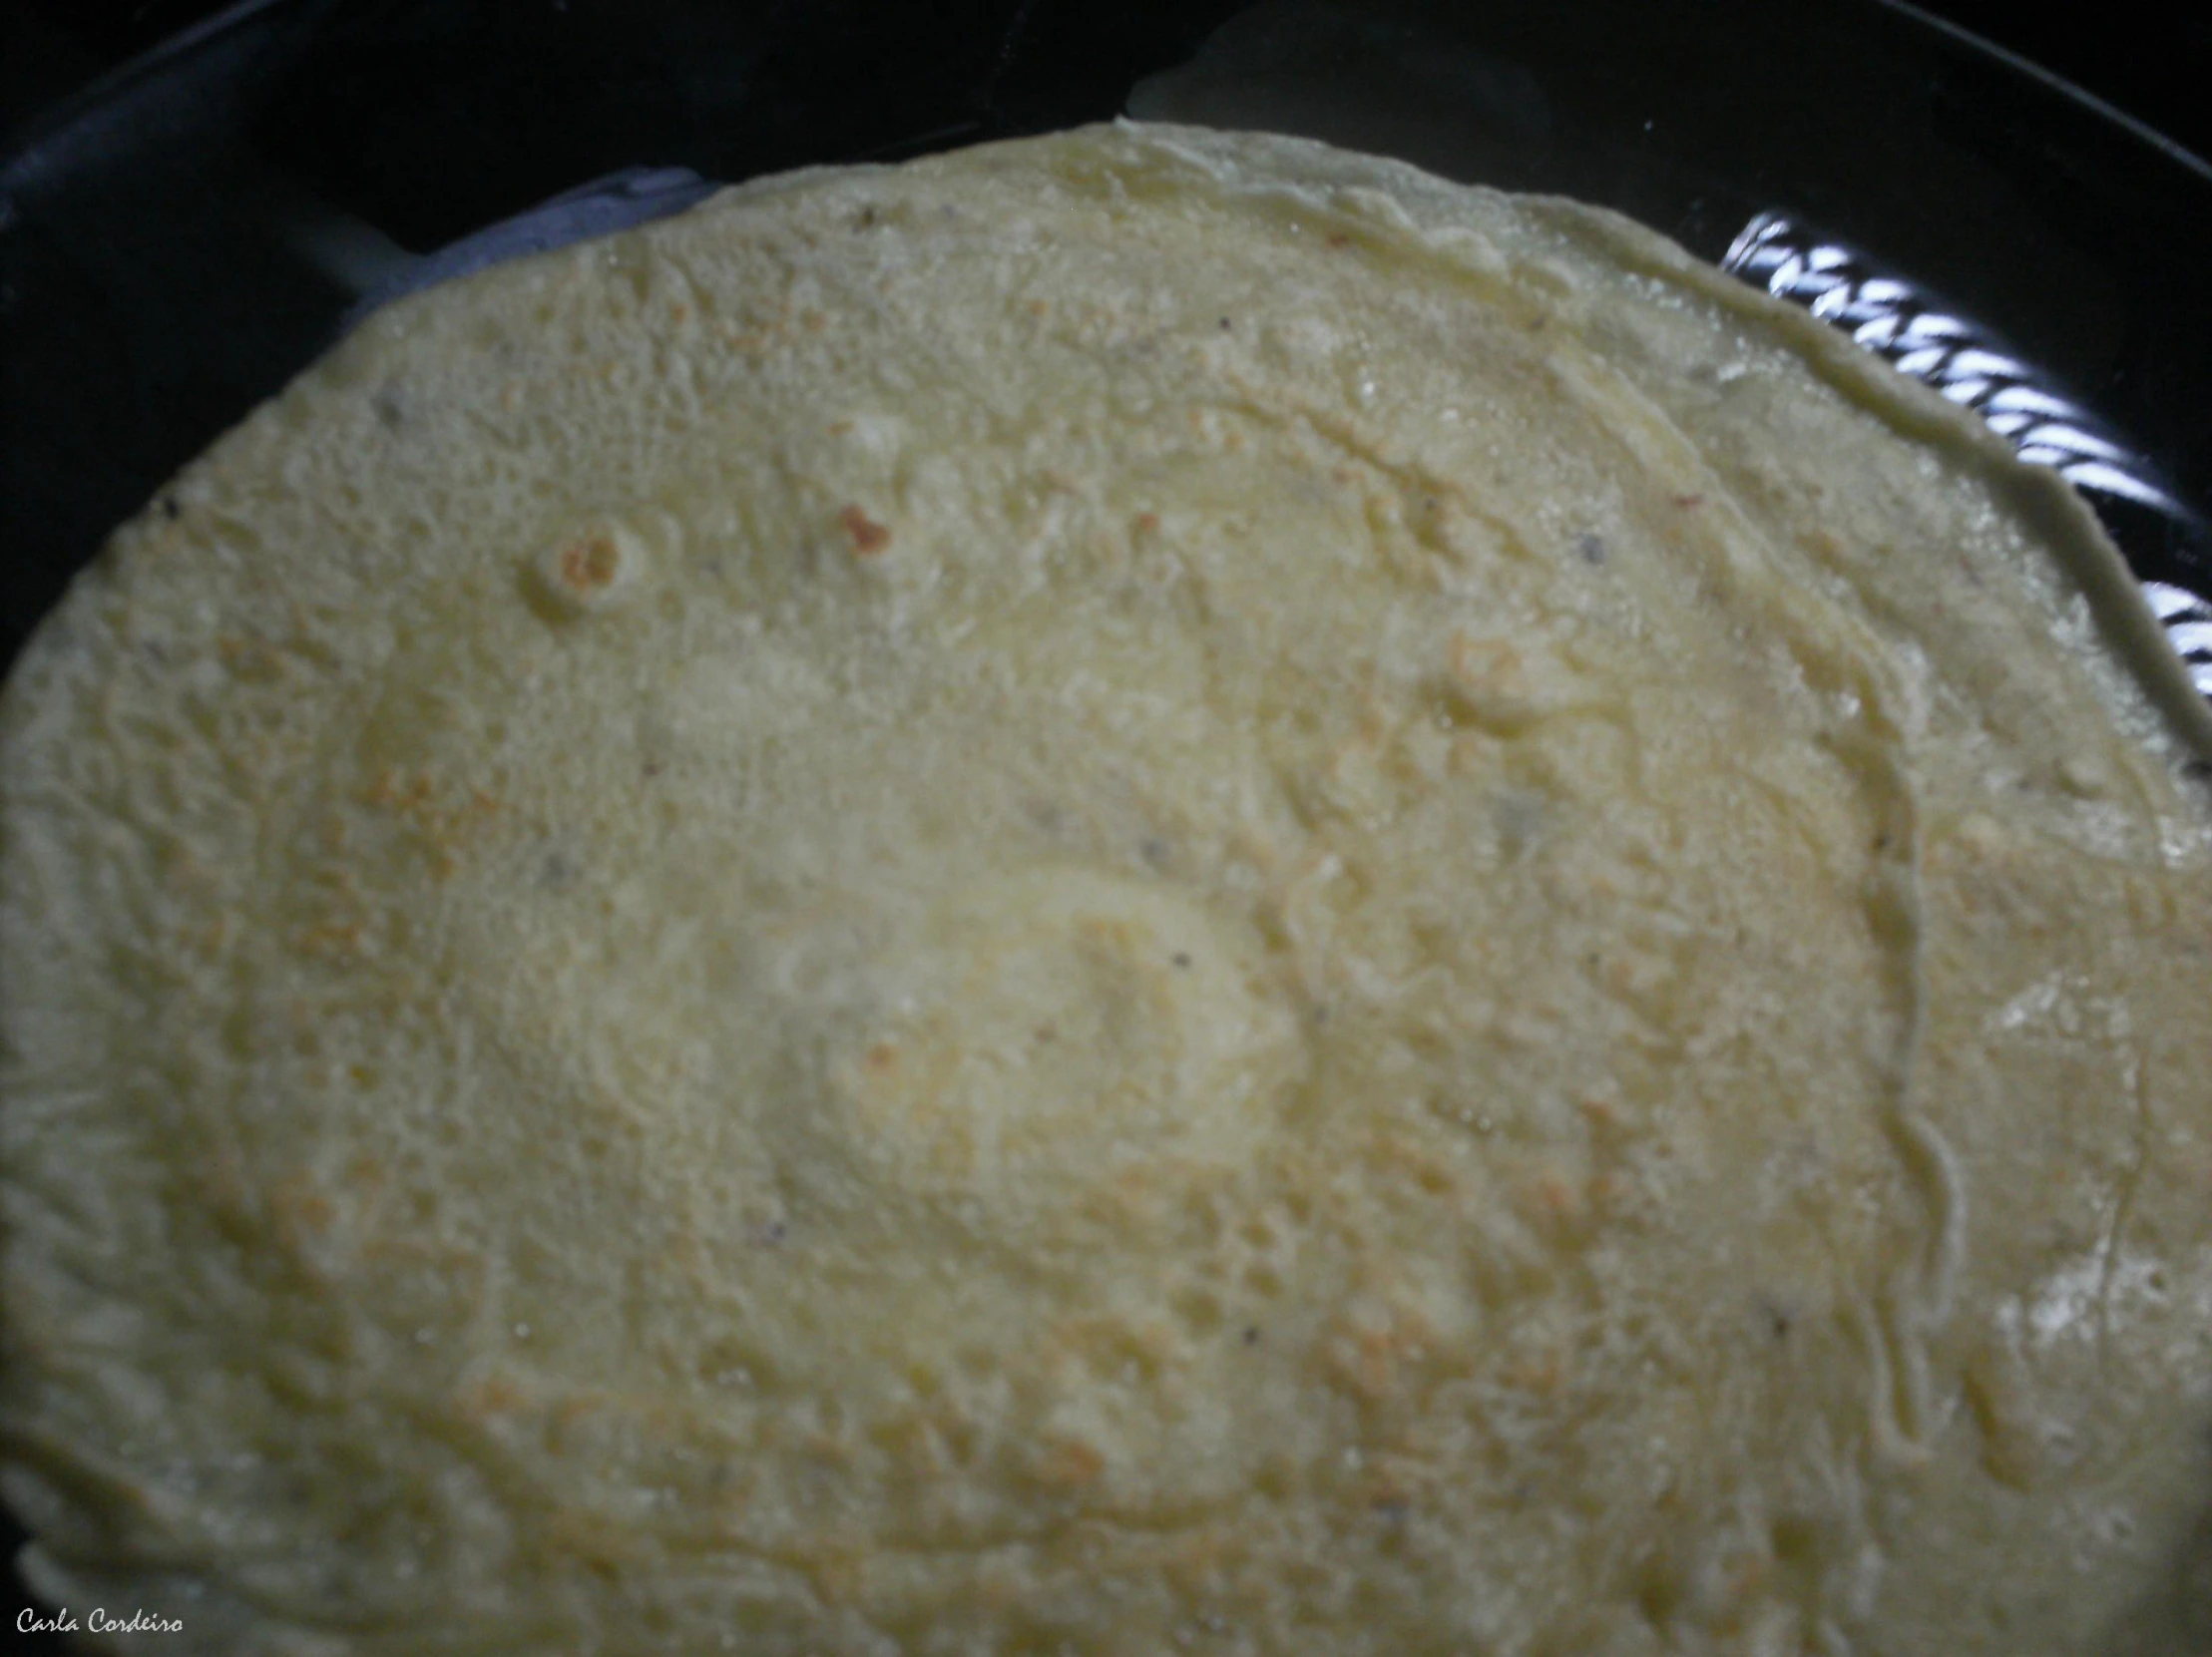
634	196
1932	342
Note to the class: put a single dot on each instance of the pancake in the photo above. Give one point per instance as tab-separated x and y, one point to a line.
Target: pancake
1147	891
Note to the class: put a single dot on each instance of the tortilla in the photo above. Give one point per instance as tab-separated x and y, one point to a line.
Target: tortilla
1145	891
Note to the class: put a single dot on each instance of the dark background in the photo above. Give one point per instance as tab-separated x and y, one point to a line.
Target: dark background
2149	58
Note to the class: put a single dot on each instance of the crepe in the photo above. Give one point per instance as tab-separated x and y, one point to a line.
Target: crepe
1138	892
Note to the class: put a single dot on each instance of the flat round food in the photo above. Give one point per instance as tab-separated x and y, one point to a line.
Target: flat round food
1142	892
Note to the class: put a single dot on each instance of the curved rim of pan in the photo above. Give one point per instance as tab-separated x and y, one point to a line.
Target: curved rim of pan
29	156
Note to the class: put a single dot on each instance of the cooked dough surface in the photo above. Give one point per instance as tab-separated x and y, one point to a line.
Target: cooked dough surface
1148	891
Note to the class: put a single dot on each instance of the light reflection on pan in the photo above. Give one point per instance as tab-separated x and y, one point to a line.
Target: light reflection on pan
1934	343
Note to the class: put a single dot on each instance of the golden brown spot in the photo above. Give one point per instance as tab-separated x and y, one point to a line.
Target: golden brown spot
586	1538
911	1445
250	659
1485	661
331	941
1687	501
1147	522
1195	1563
836	1575
1070	1463
1540	1374
491	1397
1608	1196
1370	1369
301	1210
882	1058
868	536
1470	750
590	562
1368	1354
1429	1171
1385	1489
571	1411
1552	1203
1372	724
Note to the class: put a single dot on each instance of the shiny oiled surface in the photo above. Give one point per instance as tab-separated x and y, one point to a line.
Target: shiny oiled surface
1145	888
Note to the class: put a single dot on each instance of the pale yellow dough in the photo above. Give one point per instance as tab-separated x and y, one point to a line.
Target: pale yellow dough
1145	891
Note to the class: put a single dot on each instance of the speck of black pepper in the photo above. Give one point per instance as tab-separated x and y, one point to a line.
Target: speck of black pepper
1881	842
1778	1321
1155	851
1252	1335
1591	547
774	1232
1180	957
652	767
169	509
1224	324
